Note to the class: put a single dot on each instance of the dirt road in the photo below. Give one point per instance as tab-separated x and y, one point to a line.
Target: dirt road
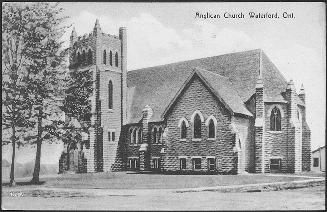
312	198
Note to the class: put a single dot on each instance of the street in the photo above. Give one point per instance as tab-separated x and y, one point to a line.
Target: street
312	198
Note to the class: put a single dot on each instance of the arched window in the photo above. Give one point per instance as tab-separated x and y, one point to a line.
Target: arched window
275	120
134	136
183	130
197	126
110	91
78	57
155	135
83	57
131	135
104	57
159	135
89	57
116	59
110	57
212	131
139	136
73	56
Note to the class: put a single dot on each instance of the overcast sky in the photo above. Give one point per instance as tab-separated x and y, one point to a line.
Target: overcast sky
160	33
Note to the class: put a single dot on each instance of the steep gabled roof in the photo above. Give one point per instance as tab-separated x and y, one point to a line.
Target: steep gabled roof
220	87
157	86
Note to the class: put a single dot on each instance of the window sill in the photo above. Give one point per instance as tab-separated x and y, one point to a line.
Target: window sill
157	144
196	139
133	144
211	139
182	139
110	110
275	132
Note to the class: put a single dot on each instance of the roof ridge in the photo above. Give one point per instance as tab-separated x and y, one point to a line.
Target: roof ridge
185	61
211	72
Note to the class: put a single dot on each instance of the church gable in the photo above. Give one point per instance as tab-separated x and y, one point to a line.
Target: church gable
219	87
196	95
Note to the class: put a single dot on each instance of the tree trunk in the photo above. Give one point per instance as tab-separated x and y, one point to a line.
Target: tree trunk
68	161
12	169
36	173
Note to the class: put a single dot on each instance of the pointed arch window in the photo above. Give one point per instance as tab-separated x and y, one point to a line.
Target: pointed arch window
134	136
89	57
212	131
131	135
110	92
110	58
159	135
139	138
116	59
275	120
104	57
73	57
83	57
78	57
155	135
197	126
183	130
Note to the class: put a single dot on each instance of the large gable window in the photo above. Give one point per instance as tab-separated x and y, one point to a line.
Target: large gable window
183	130
211	124
211	129
197	126
134	136
275	120
83	57
110	97
183	125
159	135
79	57
155	136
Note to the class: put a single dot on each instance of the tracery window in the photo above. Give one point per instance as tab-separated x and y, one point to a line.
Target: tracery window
212	131
183	130
275	120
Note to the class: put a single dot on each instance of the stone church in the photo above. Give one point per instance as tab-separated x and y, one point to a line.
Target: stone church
227	114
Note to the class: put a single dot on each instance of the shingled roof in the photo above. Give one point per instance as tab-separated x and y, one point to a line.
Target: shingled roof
157	86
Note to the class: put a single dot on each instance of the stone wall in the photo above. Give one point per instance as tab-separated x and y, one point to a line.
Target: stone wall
276	141
197	97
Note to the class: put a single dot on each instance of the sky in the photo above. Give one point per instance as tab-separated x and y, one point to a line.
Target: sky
160	33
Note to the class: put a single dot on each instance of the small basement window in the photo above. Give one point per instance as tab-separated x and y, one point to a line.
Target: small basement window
196	163
211	164
182	163
275	165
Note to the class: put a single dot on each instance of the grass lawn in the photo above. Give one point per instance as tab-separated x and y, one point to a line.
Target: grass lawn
126	180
